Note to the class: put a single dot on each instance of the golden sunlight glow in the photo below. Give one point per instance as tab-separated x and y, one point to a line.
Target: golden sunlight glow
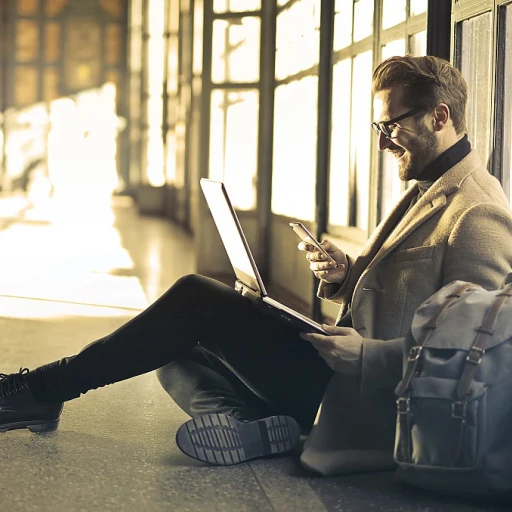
62	253
156	51
295	125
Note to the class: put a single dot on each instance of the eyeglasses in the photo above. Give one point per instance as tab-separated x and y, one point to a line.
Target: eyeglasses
387	127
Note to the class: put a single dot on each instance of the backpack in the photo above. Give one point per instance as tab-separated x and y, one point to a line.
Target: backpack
454	402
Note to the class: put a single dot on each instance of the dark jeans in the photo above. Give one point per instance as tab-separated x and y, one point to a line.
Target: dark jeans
216	353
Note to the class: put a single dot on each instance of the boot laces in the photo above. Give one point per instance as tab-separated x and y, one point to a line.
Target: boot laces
10	384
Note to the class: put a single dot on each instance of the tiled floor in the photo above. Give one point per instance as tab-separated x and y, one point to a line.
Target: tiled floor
72	273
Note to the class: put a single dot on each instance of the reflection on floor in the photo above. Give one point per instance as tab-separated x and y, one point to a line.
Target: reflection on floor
72	273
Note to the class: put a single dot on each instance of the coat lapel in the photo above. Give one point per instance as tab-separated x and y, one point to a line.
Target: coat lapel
415	217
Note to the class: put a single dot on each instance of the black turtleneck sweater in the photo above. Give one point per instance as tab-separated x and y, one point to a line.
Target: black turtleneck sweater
440	165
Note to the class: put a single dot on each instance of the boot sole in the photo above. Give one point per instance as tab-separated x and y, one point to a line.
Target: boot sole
222	440
34	426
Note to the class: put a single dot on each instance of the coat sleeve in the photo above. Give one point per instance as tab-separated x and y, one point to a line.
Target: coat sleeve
335	292
479	250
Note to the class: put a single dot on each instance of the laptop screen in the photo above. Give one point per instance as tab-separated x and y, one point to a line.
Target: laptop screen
231	234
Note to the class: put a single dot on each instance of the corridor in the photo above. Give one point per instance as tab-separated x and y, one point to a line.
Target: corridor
71	274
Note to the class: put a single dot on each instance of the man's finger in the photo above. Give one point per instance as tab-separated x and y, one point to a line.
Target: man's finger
339	331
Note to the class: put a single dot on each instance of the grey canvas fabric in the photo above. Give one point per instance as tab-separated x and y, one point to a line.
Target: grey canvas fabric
460	229
454	418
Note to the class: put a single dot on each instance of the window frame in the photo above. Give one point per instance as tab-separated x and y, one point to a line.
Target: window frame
379	37
463	10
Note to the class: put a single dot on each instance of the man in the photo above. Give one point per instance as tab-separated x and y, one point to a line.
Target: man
236	370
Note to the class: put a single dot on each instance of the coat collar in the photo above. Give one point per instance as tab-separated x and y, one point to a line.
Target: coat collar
398	225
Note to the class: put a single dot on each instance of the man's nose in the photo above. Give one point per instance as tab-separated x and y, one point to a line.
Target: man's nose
384	142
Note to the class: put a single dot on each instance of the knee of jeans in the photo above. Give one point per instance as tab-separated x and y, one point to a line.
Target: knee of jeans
168	376
189	281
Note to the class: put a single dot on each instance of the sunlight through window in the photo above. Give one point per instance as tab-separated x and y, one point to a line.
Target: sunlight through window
233	143
295	128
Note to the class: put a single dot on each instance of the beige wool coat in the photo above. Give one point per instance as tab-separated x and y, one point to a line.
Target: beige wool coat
461	228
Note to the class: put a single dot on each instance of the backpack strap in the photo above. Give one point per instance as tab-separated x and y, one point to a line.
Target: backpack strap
428	328
402	391
473	359
477	350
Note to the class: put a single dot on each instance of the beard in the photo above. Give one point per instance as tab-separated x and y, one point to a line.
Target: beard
421	152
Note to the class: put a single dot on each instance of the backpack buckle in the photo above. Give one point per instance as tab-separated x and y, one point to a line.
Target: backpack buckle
403	405
459	410
415	353
475	355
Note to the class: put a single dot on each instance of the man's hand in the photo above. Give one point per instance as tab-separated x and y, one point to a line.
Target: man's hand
323	269
342	350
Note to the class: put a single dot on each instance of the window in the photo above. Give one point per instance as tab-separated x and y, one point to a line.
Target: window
297	38
506	90
233	143
234	100
154	147
355	163
221	6
474	57
295	110
294	163
236	50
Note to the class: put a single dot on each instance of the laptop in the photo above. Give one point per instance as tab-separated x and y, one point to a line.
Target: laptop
248	279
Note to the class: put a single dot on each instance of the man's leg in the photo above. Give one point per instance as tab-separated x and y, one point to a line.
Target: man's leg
247	386
194	309
199	383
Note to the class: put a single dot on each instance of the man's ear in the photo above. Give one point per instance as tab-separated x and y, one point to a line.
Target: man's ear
441	116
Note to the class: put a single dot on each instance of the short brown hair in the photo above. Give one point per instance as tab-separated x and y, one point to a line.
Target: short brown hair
427	81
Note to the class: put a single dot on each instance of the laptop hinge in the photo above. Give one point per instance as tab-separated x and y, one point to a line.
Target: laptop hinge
243	290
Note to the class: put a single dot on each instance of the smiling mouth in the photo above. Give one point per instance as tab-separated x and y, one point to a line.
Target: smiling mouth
398	154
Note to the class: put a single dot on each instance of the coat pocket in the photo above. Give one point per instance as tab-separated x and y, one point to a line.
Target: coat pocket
414	253
443	432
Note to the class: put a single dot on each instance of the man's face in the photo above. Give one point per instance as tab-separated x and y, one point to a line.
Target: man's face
413	144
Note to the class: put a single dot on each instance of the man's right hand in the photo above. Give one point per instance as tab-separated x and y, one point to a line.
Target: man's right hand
322	268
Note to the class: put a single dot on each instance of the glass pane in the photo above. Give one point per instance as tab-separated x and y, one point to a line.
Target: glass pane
236	5
236	50
475	65
53	7
155	48
155	158
51	84
113	42
507	104
26	85
391	187
27	40
135	50
342	24
294	161
418	6
418	43
234	142
82	69
113	7
363	19
340	144
52	49
360	145
393	12
172	65
396	47
197	50
297	38
27	7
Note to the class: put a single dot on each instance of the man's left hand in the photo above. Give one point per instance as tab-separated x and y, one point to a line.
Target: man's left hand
342	349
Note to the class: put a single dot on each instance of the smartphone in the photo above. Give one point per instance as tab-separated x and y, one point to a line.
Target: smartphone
308	237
